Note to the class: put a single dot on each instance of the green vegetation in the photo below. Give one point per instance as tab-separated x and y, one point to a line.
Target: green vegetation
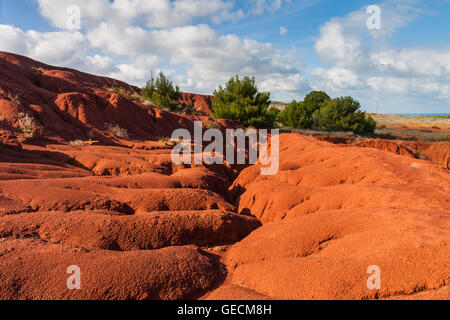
344	114
393	133
126	94
241	102
28	125
319	111
163	93
441	117
211	124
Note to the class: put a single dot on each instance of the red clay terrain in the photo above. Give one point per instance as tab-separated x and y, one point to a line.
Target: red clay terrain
201	103
140	227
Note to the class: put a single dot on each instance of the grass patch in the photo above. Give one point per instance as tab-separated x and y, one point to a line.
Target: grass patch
316	132
427	136
441	117
133	96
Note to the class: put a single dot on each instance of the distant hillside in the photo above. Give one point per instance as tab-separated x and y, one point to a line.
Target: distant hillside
279	105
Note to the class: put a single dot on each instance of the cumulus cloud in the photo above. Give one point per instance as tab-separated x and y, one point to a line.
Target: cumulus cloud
153	14
283	31
149	35
336	79
52	47
125	39
211	57
363	62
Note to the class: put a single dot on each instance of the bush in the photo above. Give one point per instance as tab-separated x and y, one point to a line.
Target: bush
300	114
241	102
295	116
319	111
28	125
117	131
162	92
343	114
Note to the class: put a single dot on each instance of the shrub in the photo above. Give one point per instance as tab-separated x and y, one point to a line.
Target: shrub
118	131
162	92
343	114
27	124
319	111
241	102
295	116
300	114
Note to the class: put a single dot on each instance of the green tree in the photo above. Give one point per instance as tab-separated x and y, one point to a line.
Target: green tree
315	100
300	114
241	102
343	114
295	115
162	92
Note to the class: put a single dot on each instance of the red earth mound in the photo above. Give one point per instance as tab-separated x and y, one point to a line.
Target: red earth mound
105	274
152	230
332	212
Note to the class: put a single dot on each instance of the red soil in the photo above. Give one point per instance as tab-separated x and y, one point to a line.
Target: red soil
436	152
201	103
140	227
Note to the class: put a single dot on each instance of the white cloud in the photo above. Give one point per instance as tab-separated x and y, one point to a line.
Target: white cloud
211	58
334	47
363	62
415	62
153	13
335	79
292	86
283	31
51	47
138	70
11	39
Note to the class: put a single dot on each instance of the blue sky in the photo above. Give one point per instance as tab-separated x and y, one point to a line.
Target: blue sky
291	47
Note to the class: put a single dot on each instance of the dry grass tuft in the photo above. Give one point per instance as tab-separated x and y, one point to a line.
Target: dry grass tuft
117	131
